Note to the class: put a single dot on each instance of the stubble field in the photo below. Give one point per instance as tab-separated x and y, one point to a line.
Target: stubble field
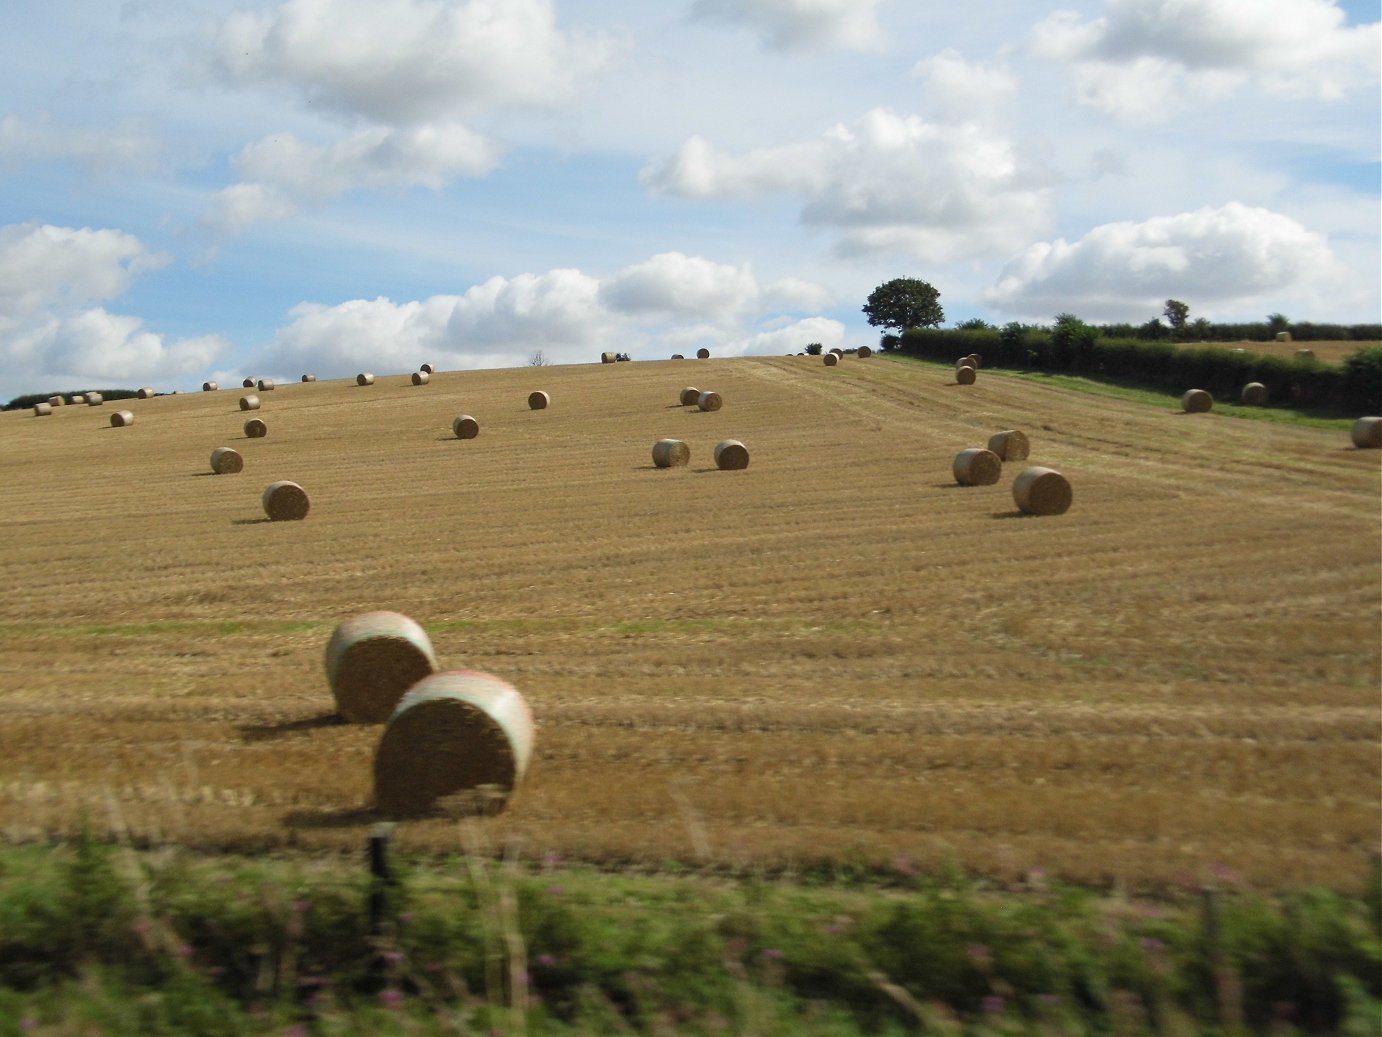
836	656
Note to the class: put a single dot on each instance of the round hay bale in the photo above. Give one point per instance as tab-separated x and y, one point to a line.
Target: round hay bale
146	393
709	400
209	386
837	351
1042	491
689	396
1196	401
607	358
538	400
731	455
265	384
864	353
80	398
830	359
977	467
427	369
966	361
56	401
1010	445
976	360
1367	433
285	501
250	402
42	409
309	378
465	427
670	453
1305	354
122	419
256	429
459	742
1283	336
421	377
678	356
248	383
94	399
364	378
702	354
225	461
372	659
965	375
1254	394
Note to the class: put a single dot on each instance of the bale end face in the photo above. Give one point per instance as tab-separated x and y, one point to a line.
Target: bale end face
709	401
731	455
702	354
458	743
372	660
1010	445
678	356
538	400
427	369
249	402
830	359
256	428
265	384
421	377
689	396
42	409
1196	401
1254	394
146	393
1042	491
209	386
364	378
285	501
309	378
248	383
225	461
465	427
864	352
1367	433
607	358
977	467
121	419
670	453
965	375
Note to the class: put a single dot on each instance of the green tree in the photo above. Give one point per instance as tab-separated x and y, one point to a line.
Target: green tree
904	302
974	324
1278	322
813	349
1176	314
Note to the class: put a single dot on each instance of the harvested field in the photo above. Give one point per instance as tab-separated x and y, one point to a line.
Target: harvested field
1330	352
1177	678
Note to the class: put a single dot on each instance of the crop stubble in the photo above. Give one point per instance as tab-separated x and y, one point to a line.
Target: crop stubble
837	654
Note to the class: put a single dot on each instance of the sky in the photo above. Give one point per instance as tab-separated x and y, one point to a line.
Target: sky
215	189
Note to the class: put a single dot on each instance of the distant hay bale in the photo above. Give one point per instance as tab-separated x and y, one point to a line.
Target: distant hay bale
265	384
42	409
225	461
1367	433
372	659
309	378
255	428
122	419
670	453
1254	394
977	467
689	396
1010	445
709	400
538	400
864	352
976	359
250	402
209	386
1196	401
80	398
965	375
458	743
248	383
1042	491
56	401
285	501
830	359
837	351
427	369
702	354
1305	354
966	361
1283	336
465	427
94	399
607	358
678	356
421	377
731	455
364	378
146	393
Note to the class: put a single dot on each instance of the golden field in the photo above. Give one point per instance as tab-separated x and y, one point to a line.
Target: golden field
835	655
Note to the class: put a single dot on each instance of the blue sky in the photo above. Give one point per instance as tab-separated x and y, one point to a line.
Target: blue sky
194	189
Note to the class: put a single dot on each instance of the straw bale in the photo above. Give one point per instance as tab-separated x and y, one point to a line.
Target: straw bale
285	501
702	354
224	461
709	400
458	743
689	396
250	402
364	378
1254	394
830	359
57	401
372	659
465	427
607	358
966	361
1196	401
976	360
209	386
731	455
256	429
678	356
265	384
421	377
248	383
146	393
94	399
965	375
538	400
864	352
309	378
1010	445
1305	354
1283	336
1042	491
122	419
977	467
1367	433
837	351
42	409
670	453
80	398
427	369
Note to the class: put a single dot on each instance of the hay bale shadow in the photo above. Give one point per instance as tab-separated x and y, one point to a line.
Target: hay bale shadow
250	522
1012	515
263	732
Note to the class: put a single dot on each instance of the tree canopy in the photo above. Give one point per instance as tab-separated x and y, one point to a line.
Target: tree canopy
904	302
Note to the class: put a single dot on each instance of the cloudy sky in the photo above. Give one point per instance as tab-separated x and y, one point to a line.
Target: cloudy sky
195	189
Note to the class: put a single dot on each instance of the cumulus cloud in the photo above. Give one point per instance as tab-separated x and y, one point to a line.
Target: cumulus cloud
43	266
675	284
965	91
1222	256
1144	58
890	183
791	338
399	62
102	151
801	25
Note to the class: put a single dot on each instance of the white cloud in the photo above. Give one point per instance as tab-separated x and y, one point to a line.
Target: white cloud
97	347
1216	256
408	61
793	338
43	266
889	184
102	151
234	208
965	91
801	25
1144	59
678	285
